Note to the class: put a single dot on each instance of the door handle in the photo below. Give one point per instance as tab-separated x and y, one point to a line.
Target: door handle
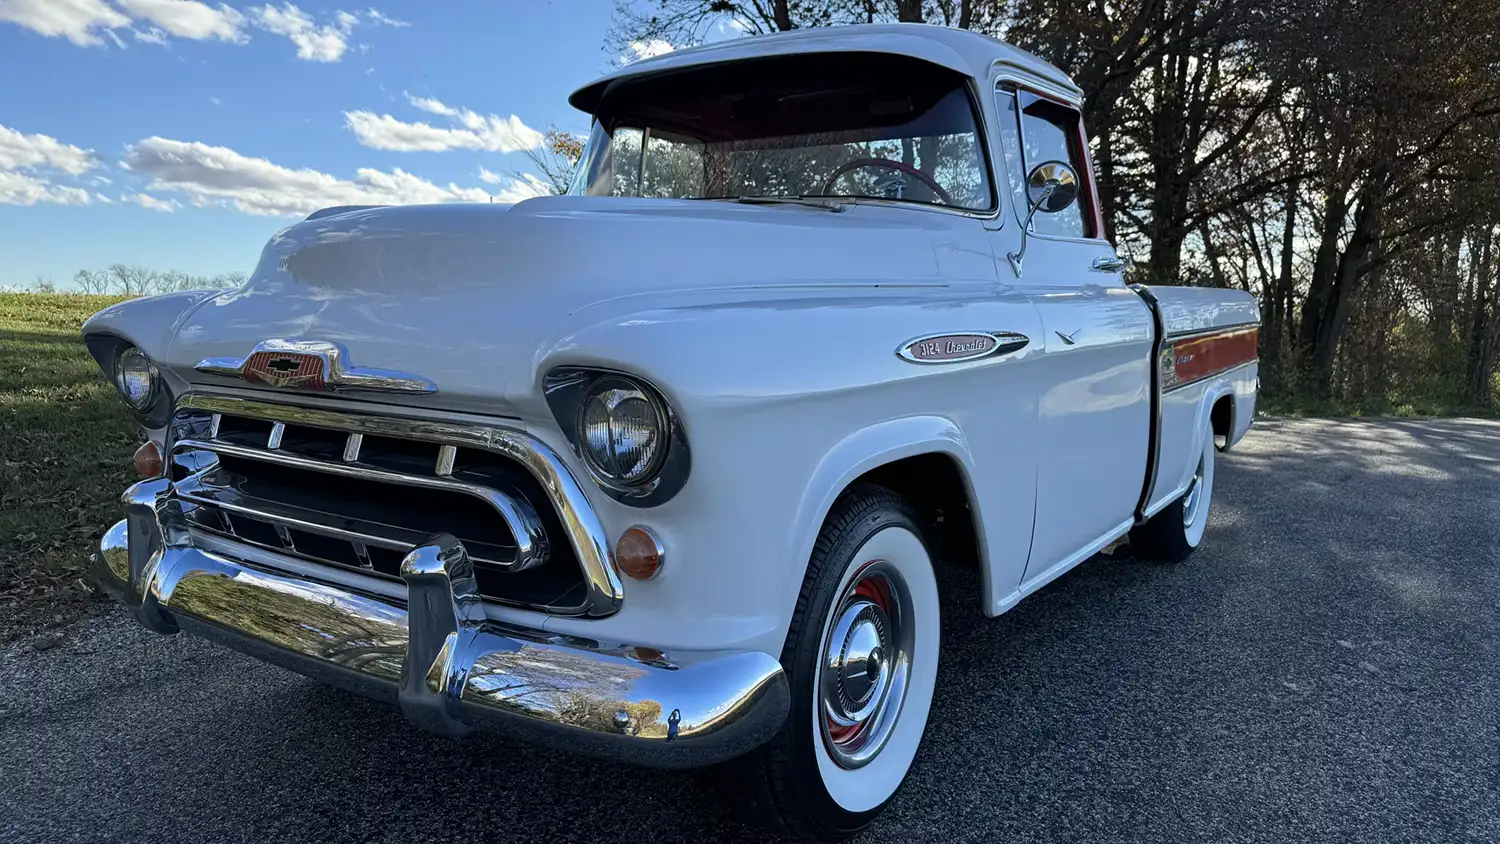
1108	264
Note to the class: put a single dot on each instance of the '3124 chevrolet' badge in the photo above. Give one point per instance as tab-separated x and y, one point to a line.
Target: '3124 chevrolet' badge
961	346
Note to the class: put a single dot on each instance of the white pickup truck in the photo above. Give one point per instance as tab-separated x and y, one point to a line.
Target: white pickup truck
662	470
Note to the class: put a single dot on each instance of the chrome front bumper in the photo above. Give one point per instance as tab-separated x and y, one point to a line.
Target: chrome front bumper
448	667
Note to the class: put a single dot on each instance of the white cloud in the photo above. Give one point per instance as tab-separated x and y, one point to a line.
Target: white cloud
104	199
154	35
18	188
189	18
209	175
216	101
432	106
151	202
29	163
516	190
379	19
647	49
91	22
19	151
491	133
79	21
382	131
526	187
325	43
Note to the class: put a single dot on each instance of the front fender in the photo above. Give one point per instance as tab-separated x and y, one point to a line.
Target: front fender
858	453
150	322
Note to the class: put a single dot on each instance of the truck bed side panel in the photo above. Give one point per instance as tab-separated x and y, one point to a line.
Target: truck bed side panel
1208	354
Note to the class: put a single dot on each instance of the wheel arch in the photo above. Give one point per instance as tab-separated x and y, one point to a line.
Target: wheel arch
896	453
1221	420
1216	414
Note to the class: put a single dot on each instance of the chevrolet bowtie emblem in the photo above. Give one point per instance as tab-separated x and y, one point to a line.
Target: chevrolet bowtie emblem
311	365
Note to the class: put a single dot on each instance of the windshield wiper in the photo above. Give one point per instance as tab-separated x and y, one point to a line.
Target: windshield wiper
834	205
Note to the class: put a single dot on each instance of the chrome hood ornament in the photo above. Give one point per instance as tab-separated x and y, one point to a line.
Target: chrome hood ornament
311	365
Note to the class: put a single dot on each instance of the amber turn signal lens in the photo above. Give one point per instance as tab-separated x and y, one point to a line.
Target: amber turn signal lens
639	553
147	460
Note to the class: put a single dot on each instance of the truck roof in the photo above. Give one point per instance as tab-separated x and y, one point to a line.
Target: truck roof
961	50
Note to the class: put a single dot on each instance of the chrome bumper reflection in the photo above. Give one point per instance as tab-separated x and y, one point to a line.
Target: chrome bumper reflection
448	667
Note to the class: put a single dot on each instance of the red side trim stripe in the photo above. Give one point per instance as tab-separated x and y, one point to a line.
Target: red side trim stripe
1196	358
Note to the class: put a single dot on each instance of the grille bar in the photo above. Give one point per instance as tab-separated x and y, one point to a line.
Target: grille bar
525	527
497	458
199	490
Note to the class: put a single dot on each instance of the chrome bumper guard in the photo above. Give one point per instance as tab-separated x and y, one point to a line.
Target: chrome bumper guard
449	667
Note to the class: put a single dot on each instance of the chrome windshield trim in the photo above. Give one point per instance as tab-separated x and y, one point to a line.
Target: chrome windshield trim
585	532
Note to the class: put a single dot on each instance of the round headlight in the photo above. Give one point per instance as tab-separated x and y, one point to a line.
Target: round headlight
623	430
135	378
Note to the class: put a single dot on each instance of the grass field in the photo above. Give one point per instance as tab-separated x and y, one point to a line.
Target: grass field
65	446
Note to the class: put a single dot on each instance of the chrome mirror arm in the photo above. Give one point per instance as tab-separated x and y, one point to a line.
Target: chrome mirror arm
1017	257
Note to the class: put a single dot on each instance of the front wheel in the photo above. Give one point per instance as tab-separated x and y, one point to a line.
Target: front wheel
1177	530
861	658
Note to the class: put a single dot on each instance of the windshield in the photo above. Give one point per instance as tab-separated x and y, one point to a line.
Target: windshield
857	126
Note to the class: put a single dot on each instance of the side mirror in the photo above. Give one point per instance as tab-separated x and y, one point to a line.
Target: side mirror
1051	187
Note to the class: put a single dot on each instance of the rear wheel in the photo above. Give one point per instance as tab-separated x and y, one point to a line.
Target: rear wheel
861	658
1177	530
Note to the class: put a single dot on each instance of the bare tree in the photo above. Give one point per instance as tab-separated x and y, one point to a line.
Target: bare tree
557	159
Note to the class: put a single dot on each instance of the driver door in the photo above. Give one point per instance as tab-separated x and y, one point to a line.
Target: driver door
1095	403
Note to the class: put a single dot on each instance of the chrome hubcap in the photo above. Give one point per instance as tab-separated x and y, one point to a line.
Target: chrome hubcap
856	662
865	666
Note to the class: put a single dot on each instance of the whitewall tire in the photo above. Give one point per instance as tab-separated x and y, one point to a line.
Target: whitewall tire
1177	529
861	657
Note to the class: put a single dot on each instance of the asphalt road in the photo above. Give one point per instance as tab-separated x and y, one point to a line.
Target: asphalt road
1324	670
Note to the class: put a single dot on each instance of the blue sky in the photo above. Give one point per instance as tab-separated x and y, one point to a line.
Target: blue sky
179	134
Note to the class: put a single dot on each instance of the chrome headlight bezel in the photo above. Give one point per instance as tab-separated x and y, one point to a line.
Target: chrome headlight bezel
109	350
602	400
132	362
570	392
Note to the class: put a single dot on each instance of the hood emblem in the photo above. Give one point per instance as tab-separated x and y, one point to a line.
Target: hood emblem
311	365
961	346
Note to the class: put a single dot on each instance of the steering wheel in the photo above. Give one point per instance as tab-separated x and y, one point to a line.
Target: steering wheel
889	165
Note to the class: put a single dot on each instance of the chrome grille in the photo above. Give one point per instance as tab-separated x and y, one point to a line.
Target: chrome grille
358	492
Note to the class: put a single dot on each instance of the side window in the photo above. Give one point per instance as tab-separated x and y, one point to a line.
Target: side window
674	167
625	156
1034	130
